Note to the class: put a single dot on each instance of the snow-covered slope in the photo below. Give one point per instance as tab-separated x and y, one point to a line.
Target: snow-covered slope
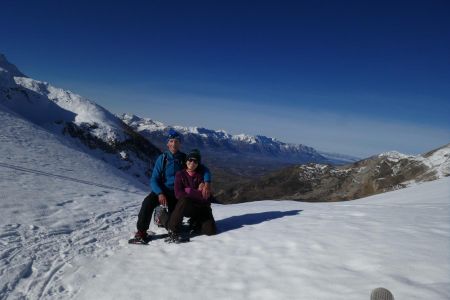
63	112
56	203
293	250
65	219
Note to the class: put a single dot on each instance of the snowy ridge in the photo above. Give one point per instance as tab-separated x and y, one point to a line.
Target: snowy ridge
142	124
153	128
395	156
88	126
109	128
149	125
437	161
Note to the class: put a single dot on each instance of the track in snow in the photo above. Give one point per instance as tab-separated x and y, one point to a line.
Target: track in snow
33	258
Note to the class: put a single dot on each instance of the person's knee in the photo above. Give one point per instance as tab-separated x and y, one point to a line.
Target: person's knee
184	200
185	204
151	199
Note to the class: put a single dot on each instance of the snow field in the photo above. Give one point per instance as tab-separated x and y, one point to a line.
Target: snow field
66	218
56	203
272	249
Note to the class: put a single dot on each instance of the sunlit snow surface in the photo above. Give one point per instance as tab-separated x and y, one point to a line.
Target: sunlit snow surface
66	217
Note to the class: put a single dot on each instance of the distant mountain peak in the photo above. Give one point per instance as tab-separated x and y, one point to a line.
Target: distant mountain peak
6	66
141	123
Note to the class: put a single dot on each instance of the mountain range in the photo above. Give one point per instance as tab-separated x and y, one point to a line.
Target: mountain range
245	167
240	155
322	183
213	141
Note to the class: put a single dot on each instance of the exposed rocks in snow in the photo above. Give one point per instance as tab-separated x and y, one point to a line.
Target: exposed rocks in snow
316	182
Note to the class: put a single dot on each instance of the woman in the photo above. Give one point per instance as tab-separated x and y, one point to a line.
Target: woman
189	185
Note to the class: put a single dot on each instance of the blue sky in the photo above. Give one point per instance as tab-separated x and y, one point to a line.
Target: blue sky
354	77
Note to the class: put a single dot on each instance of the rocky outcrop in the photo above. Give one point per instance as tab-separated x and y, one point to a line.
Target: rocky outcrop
319	183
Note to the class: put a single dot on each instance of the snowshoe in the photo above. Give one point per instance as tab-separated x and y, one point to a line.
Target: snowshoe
176	238
140	238
194	228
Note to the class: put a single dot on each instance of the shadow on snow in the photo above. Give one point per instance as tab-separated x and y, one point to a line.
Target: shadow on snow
237	222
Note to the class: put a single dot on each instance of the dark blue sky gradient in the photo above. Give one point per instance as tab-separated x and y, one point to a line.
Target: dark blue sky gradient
380	60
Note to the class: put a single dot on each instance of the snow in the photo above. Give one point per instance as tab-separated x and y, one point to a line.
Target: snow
245	138
395	156
55	201
292	250
142	124
109	127
46	105
66	217
439	161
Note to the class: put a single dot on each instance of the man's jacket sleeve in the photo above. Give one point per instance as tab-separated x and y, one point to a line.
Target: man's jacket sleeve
156	180
206	174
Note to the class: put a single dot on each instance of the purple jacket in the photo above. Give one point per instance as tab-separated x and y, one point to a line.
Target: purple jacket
186	186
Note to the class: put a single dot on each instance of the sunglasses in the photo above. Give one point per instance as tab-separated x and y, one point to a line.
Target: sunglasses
192	160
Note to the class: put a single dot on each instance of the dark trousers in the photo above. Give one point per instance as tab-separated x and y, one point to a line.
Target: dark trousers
148	206
201	213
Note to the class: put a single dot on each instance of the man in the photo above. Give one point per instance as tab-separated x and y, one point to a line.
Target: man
162	185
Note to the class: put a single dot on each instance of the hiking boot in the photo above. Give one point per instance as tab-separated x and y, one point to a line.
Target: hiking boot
195	227
140	237
176	238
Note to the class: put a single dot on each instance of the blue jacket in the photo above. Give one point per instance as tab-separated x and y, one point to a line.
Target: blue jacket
175	162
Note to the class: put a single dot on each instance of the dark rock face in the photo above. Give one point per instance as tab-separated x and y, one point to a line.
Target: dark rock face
321	183
137	149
